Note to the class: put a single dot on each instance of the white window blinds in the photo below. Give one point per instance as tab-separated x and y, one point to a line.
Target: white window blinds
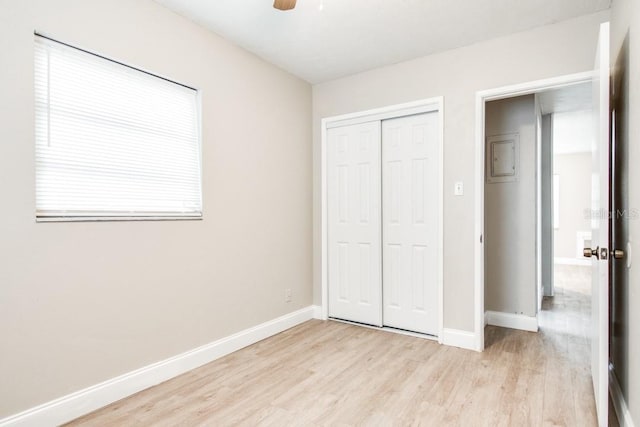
112	141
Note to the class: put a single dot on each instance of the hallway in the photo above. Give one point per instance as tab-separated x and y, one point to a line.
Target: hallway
567	315
558	356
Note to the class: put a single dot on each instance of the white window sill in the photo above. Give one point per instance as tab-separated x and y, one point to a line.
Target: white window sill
116	218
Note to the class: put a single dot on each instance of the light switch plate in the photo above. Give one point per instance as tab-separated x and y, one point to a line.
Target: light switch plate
458	189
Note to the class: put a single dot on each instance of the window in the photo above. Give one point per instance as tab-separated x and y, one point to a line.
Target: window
112	142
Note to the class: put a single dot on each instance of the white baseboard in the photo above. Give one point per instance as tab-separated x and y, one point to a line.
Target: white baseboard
511	320
459	338
317	312
72	406
620	405
572	261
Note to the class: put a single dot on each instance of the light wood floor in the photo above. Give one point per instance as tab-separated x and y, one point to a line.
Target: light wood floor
330	373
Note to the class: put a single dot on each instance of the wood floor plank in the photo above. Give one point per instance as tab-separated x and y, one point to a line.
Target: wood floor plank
331	374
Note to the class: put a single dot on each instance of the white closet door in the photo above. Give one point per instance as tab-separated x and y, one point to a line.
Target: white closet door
355	288
410	222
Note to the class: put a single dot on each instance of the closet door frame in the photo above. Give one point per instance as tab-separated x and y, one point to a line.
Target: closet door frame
435	104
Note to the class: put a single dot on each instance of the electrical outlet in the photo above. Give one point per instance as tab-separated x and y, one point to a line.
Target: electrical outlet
287	295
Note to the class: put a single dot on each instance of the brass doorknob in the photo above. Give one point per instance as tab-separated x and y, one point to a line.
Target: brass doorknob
617	254
588	252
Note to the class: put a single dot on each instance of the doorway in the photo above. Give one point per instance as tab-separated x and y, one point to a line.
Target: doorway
482	98
568	128
537	155
600	206
537	208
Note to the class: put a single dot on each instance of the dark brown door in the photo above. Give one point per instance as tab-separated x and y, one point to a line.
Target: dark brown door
621	213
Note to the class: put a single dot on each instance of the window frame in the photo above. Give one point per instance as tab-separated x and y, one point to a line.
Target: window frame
126	216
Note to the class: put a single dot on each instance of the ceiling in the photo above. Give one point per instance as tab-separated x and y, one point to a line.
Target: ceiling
573	132
322	40
569	98
572	111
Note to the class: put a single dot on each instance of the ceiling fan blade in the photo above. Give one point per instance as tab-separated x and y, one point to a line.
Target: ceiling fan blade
284	4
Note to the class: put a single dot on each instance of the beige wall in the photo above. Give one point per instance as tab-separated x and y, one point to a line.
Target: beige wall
510	214
575	198
625	20
84	302
549	51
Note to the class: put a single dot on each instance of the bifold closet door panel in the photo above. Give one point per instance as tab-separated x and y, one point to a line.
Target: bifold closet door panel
354	210
410	179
